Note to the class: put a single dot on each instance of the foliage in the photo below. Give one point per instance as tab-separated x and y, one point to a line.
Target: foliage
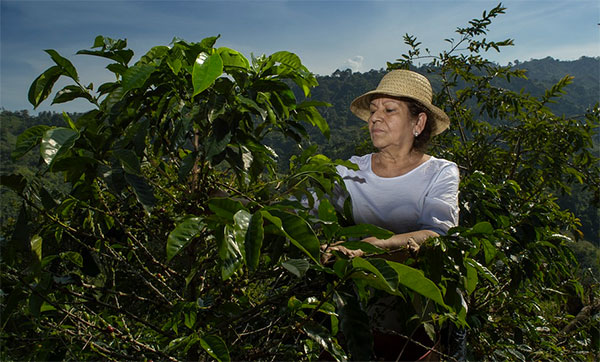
517	156
177	237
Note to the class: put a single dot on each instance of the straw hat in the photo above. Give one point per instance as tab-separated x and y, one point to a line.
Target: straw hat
403	83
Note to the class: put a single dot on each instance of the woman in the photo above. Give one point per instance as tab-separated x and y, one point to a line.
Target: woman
400	187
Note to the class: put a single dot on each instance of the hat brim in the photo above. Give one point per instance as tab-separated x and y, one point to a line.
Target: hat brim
360	106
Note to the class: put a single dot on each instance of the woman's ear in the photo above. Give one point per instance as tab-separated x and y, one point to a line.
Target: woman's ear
421	122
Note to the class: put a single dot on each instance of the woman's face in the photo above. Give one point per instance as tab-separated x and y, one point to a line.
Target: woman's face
391	125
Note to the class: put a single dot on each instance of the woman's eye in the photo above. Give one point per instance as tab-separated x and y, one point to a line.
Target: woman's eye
389	110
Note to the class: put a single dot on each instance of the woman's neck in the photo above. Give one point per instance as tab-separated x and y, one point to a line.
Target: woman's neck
389	164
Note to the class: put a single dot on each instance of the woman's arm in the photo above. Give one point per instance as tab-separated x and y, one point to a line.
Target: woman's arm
398	241
399	246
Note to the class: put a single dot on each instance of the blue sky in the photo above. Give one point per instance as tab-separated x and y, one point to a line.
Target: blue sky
327	35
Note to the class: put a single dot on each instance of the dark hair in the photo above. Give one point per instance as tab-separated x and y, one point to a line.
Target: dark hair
415	108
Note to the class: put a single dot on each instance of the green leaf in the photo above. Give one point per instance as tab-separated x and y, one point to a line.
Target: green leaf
374	277
182	343
69	93
20	236
365	230
430	330
354	323
298	267
383	271
215	347
348	164
364	246
323	337
286	58
56	142
471	279
69	121
190	318
27	140
48	201
175	64
208	42
42	86
116	68
294	304
187	164
15	299
218	140
312	116
36	246
121	56
66	66
35	304
414	279
129	161
143	191
327	211
73	257
230	253
241	221
15	182
254	240
482	270
297	230
483	227
252	105
233	58
489	250
207	69
225	207
46	307
136	76
155	53
388	274
183	233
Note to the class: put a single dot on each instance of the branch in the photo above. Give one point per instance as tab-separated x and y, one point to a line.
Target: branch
120	310
88	324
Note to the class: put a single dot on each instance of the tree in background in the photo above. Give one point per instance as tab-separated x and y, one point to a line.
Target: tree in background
177	237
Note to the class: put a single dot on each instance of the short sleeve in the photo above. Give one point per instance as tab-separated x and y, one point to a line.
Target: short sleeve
440	209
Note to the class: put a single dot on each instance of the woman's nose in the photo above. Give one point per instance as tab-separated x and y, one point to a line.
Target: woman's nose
375	116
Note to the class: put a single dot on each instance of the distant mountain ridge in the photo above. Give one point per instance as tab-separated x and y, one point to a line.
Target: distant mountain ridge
582	94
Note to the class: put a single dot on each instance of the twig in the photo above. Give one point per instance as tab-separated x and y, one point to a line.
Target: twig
87	323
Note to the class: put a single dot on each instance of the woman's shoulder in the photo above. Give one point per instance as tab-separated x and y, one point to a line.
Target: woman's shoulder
441	163
442	166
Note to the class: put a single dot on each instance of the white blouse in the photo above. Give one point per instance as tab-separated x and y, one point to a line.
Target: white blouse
426	198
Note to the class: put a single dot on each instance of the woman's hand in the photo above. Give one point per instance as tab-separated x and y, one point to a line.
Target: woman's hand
328	249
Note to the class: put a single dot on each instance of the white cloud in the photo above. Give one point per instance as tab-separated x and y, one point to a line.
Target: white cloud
355	63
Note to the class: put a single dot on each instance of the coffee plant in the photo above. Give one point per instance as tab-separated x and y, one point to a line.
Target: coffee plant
179	238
